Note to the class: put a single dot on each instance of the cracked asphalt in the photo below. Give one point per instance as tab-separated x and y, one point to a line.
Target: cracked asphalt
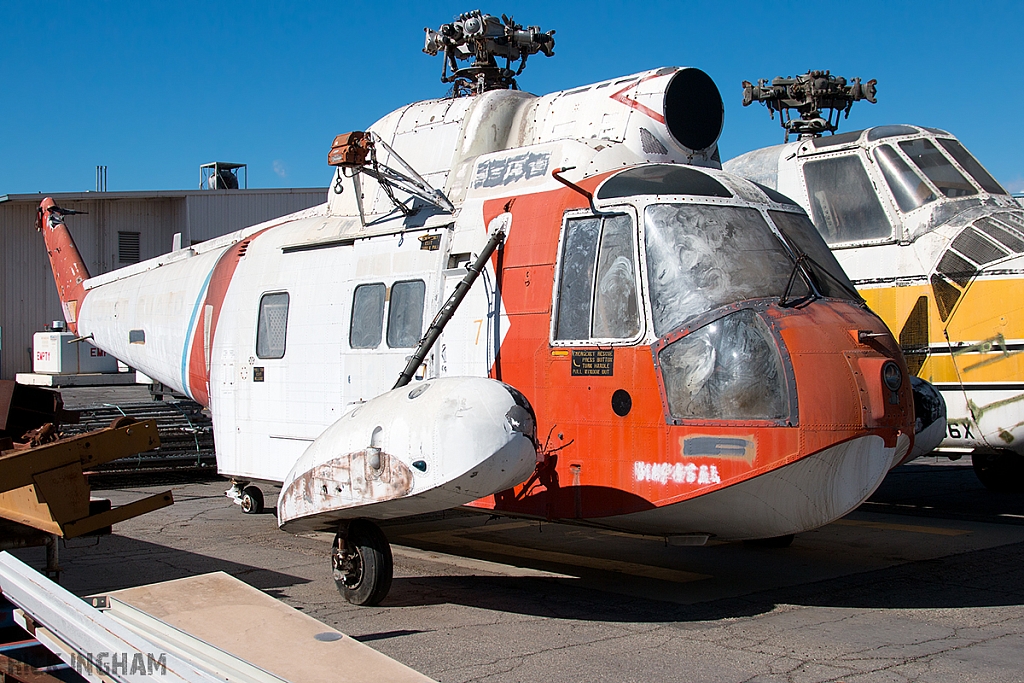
923	583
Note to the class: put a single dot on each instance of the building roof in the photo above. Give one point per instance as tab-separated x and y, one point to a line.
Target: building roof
90	195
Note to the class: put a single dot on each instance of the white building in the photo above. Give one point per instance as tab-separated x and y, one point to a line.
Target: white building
119	228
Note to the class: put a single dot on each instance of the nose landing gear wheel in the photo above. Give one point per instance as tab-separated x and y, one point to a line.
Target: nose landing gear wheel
252	500
361	562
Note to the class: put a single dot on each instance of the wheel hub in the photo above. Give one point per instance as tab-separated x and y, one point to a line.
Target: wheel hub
346	565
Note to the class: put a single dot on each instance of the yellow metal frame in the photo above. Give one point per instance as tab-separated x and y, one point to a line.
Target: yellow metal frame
45	487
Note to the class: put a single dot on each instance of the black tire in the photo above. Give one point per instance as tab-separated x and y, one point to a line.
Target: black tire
252	500
367	579
1000	472
774	542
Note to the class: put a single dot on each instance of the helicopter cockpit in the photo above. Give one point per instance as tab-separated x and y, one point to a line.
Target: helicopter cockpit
891	183
716	252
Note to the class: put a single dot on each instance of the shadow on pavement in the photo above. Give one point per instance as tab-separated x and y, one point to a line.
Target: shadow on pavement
121	562
985	578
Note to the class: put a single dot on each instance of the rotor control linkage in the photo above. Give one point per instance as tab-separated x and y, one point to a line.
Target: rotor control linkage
356	152
809	94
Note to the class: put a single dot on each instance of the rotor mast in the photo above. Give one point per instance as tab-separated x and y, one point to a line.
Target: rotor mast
485	39
809	94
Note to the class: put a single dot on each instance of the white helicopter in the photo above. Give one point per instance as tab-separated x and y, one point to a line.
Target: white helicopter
934	244
652	345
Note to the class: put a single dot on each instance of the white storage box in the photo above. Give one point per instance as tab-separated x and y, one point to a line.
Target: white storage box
53	355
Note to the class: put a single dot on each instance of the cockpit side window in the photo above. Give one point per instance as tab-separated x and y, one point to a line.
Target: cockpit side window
828	274
597	292
933	164
971	165
908	188
576	282
844	205
616	315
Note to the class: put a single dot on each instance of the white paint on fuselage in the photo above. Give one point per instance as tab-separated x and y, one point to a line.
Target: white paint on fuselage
262	427
812	491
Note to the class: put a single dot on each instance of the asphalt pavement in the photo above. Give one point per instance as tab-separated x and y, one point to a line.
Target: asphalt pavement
924	583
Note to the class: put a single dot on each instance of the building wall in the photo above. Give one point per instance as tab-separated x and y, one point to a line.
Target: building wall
29	300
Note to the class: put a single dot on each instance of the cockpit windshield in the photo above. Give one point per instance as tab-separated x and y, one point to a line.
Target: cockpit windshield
908	188
936	166
701	257
971	165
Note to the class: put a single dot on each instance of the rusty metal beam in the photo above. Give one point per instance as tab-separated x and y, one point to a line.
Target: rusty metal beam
27	506
21	468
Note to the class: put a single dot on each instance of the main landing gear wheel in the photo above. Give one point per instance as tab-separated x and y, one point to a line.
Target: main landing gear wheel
252	500
1000	471
362	563
774	542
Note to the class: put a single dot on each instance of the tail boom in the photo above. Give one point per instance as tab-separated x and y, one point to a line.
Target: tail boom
69	271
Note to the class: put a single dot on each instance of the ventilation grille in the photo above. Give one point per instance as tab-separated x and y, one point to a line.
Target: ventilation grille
651	144
946	296
1014	219
128	247
1010	239
956	268
978	248
986	240
914	336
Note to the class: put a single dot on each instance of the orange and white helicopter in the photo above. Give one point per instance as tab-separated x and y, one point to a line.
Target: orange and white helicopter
652	345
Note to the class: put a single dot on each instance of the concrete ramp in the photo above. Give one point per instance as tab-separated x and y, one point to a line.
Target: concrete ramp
202	629
237	619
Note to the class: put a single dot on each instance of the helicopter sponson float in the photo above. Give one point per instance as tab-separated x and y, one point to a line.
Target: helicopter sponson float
553	307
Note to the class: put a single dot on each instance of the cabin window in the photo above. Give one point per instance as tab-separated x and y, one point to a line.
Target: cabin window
835	140
881	132
597	286
367	323
272	327
908	188
405	314
662	179
844	204
933	164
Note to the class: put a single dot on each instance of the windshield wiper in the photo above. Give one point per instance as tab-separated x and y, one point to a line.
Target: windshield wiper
812	291
818	268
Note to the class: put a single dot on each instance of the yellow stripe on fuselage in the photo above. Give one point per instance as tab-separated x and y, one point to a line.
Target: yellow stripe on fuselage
986	323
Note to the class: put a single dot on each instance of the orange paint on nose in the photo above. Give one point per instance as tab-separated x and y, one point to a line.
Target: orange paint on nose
600	459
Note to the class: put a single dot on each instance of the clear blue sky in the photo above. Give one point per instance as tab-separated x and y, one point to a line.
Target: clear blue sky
152	91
